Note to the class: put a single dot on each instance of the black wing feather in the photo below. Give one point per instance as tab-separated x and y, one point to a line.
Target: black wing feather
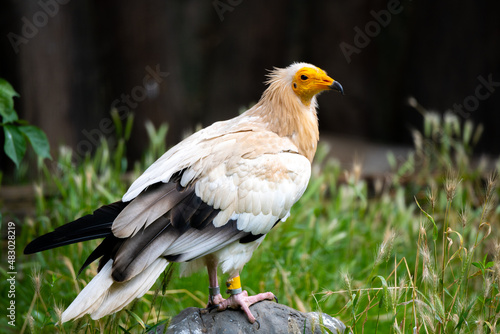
188	222
93	226
106	249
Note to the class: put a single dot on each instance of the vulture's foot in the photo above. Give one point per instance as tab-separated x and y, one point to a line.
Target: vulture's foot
243	300
214	302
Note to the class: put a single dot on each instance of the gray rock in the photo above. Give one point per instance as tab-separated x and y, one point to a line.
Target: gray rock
273	318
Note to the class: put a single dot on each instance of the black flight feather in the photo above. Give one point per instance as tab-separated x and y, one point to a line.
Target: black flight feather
107	248
93	226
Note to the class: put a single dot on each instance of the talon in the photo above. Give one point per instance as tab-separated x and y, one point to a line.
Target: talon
215	302
258	323
276	299
212	307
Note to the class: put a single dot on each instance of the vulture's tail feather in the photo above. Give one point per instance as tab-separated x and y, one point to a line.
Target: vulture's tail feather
103	296
93	226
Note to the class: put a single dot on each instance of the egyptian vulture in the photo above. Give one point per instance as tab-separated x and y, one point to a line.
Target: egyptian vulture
207	202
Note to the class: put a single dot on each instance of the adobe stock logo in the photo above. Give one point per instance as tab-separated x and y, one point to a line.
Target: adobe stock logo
149	88
222	7
372	29
30	28
482	92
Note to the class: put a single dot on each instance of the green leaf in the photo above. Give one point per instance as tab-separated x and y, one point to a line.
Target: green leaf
6	88
478	265
152	328
8	113
117	123
137	318
15	144
7	94
38	140
435	229
128	126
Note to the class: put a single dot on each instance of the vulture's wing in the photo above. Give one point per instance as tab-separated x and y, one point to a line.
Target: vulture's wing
236	187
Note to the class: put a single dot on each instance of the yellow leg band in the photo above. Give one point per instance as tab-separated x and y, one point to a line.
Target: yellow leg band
234	283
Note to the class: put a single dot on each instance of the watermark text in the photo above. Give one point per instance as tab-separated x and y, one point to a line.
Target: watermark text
11	273
482	92
225	6
30	28
372	29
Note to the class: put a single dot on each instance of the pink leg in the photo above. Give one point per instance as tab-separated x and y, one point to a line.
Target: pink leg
216	298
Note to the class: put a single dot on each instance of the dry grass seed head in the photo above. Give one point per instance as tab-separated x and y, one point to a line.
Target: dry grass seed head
417	141
488	281
347	281
464	216
451	183
491	184
422	231
36	280
426	254
428	274
402	288
455	318
357	169
435	281
385	248
431	196
487	208
496	271
426	315
489	199
496	250
396	327
496	262
31	322
58	309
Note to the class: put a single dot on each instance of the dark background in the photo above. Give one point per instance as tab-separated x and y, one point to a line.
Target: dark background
86	54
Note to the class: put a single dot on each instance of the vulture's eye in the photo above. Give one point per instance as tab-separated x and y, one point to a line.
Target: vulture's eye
304	77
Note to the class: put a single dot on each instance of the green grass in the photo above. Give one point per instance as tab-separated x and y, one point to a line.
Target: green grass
361	251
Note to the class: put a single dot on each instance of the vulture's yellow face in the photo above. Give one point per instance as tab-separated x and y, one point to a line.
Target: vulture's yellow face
309	81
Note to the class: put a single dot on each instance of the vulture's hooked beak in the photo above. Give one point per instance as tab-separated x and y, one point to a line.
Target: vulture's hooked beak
337	86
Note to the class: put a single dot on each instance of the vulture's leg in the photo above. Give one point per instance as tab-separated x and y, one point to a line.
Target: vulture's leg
240	299
214	297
